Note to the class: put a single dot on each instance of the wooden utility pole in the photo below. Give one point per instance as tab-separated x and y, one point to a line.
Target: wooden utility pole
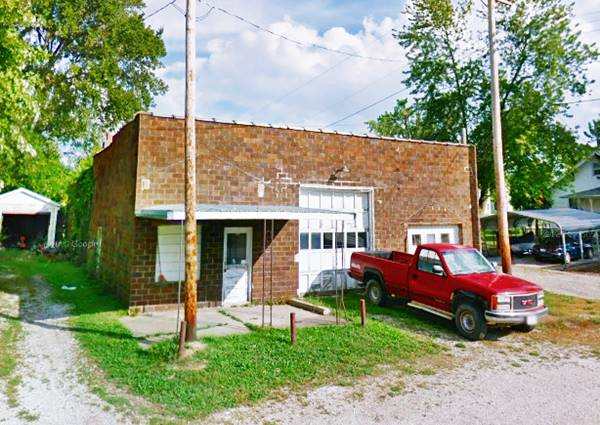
191	259
501	198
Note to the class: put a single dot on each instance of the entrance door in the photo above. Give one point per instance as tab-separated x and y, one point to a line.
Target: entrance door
237	265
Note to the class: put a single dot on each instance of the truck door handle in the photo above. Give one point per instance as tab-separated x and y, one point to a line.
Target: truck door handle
415	276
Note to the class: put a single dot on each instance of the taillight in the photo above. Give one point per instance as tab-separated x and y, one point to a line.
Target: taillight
500	302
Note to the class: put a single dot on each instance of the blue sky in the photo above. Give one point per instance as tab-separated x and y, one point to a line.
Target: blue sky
247	75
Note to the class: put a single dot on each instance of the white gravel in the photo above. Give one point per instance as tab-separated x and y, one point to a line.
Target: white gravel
51	391
500	387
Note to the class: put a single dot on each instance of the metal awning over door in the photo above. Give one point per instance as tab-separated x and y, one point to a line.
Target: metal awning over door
176	212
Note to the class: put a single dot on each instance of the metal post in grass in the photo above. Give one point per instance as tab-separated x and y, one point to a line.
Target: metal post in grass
182	330
363	312
293	328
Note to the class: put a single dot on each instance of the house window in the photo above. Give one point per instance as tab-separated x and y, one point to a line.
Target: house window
596	170
362	239
445	238
327	240
303	240
315	241
351	240
170	254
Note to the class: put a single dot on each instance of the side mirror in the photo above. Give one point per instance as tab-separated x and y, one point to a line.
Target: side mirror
438	270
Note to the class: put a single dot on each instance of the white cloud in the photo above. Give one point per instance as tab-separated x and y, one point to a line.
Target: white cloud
242	71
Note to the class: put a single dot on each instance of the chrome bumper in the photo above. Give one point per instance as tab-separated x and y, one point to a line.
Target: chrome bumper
531	317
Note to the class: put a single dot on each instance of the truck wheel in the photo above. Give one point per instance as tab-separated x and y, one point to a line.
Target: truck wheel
469	321
375	292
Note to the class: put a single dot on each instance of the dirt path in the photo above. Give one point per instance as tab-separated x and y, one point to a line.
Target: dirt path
51	391
550	386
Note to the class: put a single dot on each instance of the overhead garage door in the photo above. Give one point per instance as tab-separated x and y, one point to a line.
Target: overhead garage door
321	239
418	235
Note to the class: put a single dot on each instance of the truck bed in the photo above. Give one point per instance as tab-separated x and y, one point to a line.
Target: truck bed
391	268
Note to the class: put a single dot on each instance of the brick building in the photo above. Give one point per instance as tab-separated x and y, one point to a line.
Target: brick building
317	197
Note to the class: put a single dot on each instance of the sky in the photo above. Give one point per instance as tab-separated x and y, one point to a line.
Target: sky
248	75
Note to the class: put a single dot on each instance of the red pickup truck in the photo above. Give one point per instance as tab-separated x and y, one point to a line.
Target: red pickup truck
452	281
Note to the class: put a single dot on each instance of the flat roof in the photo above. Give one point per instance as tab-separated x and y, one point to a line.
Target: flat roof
310	130
176	212
566	219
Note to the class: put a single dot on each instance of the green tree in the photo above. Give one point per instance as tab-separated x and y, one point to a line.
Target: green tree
69	71
543	62
98	69
593	132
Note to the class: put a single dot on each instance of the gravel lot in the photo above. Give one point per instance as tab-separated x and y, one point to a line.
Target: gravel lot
489	385
51	391
585	285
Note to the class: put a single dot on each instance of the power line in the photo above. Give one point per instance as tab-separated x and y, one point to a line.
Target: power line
301	43
351	95
306	83
199	18
596	99
366	107
160	9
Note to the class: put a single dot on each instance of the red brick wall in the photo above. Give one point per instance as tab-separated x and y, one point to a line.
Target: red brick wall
145	291
113	209
414	183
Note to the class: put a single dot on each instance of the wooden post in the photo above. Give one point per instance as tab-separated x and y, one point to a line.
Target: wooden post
293	328
191	260
363	312
501	198
182	334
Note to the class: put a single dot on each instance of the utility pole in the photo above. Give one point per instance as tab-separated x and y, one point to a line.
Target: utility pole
191	259
501	199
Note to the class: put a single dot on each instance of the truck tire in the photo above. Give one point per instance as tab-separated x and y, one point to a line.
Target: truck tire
376	292
469	321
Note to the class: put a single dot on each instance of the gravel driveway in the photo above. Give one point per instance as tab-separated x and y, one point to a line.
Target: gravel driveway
585	285
551	386
51	391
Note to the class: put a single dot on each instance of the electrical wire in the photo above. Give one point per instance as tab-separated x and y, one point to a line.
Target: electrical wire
596	99
301	43
160	9
351	95
302	85
366	107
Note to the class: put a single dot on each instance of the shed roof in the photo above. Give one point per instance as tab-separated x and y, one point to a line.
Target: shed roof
567	219
176	212
25	201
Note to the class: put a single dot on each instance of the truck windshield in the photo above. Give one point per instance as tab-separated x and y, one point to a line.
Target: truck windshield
466	261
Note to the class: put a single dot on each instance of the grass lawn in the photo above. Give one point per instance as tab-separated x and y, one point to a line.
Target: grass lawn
571	321
232	370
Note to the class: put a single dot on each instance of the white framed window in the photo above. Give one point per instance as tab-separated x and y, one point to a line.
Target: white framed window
170	253
596	170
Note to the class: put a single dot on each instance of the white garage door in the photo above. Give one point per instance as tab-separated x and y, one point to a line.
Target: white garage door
418	235
320	239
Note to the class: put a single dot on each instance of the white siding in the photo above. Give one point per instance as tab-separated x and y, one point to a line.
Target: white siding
584	180
170	254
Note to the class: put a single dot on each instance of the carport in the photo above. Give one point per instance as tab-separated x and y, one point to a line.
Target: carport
29	214
569	221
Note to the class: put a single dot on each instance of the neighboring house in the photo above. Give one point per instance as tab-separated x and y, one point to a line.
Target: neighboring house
27	217
325	195
584	192
488	207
